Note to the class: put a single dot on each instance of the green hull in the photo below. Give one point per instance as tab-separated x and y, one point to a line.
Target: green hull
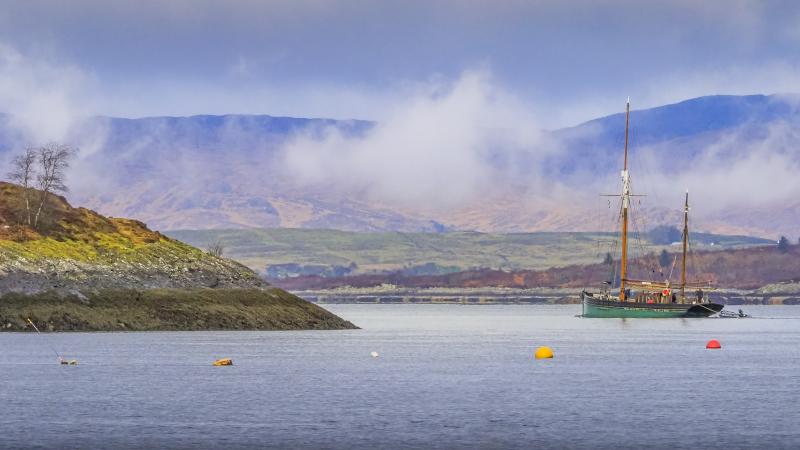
596	311
594	307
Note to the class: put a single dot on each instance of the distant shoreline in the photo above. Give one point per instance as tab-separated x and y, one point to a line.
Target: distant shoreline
506	296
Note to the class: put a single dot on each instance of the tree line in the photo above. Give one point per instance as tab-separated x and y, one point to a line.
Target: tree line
784	244
40	171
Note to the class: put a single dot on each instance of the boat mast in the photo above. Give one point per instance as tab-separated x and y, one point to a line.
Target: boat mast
685	246
626	192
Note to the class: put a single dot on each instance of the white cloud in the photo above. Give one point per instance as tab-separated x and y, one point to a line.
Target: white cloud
436	148
737	171
46	99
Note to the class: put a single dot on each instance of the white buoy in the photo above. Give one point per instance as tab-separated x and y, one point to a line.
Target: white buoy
374	354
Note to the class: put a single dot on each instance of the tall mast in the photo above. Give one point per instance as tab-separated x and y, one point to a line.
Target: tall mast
626	192
685	245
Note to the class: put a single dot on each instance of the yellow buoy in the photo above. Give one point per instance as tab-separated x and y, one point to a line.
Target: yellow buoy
223	362
543	353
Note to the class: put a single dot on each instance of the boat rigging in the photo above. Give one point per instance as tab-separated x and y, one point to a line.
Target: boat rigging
655	299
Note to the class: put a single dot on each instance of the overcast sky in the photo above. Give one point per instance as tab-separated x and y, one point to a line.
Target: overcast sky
566	61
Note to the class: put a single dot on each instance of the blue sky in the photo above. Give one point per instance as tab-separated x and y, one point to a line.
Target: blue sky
565	61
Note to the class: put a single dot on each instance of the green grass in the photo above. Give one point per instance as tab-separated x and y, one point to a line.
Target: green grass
258	248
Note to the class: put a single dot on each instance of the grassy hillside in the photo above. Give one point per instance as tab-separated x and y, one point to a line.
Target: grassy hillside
76	246
79	270
259	248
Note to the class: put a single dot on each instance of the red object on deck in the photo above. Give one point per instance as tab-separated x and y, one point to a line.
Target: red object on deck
713	344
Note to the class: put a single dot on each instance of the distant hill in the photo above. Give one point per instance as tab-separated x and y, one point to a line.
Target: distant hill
213	172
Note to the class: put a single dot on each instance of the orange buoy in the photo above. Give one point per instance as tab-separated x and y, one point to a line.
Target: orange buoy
543	353
223	362
713	344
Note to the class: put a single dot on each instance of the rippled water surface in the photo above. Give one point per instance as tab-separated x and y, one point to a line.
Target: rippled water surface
448	376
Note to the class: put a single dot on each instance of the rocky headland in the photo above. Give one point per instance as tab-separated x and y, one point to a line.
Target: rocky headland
78	270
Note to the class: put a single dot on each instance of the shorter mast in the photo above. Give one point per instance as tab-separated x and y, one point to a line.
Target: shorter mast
685	246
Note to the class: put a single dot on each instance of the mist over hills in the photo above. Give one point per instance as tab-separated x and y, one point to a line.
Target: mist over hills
688	127
738	155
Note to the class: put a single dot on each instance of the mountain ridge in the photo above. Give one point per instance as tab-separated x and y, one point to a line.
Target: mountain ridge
226	171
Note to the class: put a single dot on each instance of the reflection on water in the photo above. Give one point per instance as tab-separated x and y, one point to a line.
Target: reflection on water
448	376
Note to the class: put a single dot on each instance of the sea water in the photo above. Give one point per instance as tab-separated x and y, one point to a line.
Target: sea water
447	376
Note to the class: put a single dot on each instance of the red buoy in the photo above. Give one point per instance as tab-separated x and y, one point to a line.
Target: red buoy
713	344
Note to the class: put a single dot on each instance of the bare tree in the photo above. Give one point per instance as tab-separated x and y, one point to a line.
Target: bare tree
23	172
53	160
216	248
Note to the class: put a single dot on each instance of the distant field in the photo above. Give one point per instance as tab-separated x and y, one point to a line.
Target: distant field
452	251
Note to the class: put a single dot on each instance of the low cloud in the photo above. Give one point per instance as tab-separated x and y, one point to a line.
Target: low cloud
740	170
46	99
442	147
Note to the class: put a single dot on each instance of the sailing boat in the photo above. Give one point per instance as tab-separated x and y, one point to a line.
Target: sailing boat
654	299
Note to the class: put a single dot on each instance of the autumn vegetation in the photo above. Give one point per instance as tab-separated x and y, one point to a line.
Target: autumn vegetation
745	268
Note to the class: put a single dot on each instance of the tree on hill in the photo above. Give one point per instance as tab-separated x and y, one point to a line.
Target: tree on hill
53	160
783	244
42	168
215	248
23	172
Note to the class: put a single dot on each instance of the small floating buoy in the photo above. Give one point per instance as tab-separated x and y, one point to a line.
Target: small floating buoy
543	353
713	344
223	362
374	354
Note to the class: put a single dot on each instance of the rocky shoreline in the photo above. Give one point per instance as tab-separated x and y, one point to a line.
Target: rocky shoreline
165	310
